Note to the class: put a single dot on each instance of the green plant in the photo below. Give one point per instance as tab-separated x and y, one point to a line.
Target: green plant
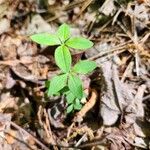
68	81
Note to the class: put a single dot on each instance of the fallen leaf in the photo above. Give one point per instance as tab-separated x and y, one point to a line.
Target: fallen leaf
11	136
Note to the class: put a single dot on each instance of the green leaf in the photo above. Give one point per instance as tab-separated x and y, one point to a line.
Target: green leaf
79	43
77	105
84	66
75	86
64	90
63	32
45	39
57	83
70	97
63	58
47	83
69	108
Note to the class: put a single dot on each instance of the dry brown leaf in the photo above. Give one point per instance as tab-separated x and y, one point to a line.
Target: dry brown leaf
11	136
108	8
4	25
39	25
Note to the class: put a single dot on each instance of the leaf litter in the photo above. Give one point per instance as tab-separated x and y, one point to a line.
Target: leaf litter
119	115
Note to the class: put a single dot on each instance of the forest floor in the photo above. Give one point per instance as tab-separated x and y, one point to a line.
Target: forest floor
117	117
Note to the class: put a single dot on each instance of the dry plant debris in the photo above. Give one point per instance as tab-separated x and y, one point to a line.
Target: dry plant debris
116	113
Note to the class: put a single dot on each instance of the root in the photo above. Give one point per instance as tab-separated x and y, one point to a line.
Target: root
89	105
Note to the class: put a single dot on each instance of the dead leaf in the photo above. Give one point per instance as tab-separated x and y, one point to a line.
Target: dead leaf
39	25
117	96
7	101
4	25
11	136
108	8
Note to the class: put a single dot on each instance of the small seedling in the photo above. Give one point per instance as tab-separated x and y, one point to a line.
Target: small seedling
67	82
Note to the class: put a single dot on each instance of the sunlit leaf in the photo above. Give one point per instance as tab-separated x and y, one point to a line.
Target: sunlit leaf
79	43
63	58
84	66
45	39
63	32
47	83
77	104
57	83
75	86
70	97
69	108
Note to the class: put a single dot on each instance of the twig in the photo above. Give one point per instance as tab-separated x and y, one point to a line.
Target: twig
137	44
69	129
104	26
81	139
15	62
66	8
112	49
126	71
48	129
127	32
146	97
73	4
101	141
104	53
36	140
144	39
10	62
85	5
134	144
17	139
137	60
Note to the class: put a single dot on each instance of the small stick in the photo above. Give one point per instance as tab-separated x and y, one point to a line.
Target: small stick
94	143
126	71
113	49
146	97
69	129
137	64
85	5
36	140
82	138
73	5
